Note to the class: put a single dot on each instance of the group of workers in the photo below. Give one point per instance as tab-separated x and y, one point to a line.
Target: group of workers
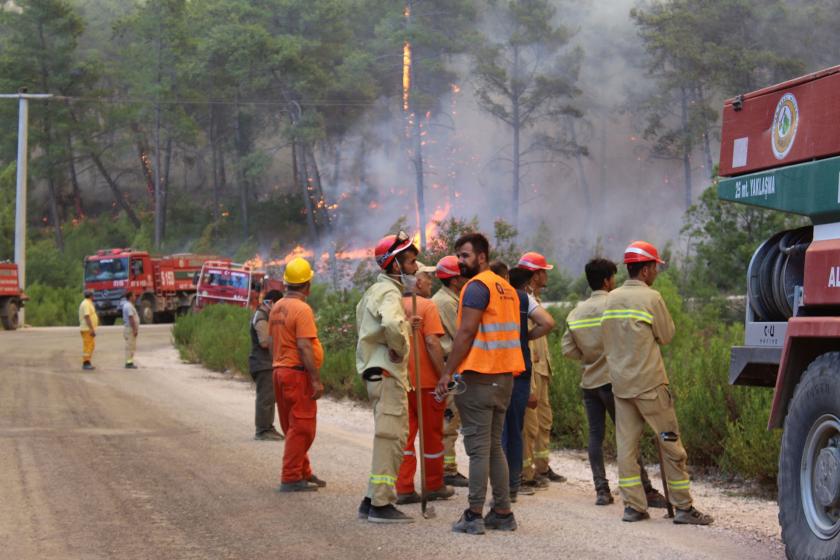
478	355
89	323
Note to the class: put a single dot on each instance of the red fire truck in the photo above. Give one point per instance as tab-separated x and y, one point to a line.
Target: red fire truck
163	286
780	149
234	284
12	297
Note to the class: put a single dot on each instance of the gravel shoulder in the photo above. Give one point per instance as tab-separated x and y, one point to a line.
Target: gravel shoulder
160	462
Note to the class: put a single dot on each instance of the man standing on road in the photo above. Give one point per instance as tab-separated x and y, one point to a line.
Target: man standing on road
425	381
88	323
536	471
486	352
382	361
297	381
446	299
131	326
635	322
261	367
583	341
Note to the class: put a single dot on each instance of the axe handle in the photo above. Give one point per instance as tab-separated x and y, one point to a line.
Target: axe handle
664	479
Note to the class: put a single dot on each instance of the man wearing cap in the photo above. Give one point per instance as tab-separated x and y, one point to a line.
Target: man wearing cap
382	362
430	353
88	323
635	323
446	300
297	359
536	471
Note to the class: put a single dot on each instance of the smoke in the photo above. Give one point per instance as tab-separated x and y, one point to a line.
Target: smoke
467	156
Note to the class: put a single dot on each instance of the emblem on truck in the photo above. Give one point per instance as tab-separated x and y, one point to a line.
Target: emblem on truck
785	123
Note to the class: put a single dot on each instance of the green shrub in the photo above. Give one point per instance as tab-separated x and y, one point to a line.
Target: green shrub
52	306
216	337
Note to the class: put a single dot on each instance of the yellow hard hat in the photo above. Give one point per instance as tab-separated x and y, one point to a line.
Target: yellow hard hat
298	271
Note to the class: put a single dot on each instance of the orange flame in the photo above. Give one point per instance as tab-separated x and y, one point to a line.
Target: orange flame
406	78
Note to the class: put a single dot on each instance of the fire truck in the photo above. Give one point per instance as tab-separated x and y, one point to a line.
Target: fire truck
233	284
780	149
12	297
163	286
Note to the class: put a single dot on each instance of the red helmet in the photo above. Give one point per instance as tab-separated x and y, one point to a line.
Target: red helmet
388	248
641	251
447	267
533	261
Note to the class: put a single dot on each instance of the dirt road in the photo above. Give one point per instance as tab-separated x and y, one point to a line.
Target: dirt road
160	463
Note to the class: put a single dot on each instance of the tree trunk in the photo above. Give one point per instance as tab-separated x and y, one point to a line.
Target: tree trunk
217	200
707	148
167	166
303	182
53	203
418	178
515	118
584	184
115	189
686	145
78	206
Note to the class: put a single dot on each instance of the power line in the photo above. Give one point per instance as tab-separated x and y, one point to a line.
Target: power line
257	102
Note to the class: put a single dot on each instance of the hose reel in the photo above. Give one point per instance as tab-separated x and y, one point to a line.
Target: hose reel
776	268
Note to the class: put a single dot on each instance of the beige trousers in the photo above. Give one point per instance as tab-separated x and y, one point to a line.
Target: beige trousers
390	419
130	345
450	436
537	431
656	409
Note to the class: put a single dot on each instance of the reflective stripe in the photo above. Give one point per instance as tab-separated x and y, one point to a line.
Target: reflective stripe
449	459
527	462
545	454
679	484
630	482
495	344
628	314
498	327
408	453
386	479
433	455
585	323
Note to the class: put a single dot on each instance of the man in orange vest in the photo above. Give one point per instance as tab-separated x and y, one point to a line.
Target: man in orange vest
297	359
425	381
487	353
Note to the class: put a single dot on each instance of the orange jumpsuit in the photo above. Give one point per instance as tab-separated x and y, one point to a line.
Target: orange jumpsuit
291	318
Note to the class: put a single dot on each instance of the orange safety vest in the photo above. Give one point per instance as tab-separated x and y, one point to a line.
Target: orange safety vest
496	347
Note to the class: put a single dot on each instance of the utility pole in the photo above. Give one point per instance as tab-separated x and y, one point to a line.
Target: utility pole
20	205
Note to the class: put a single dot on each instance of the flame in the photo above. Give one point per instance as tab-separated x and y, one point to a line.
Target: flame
406	78
438	216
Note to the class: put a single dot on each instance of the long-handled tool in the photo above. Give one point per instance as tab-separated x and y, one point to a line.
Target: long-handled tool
662	473
427	511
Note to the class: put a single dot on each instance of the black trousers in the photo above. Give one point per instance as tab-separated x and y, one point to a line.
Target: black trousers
598	403
264	405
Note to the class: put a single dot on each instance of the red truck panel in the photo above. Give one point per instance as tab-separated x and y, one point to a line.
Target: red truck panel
822	273
9	280
784	124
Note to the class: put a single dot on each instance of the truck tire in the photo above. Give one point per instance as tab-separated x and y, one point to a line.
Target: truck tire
9	315
146	312
809	464
107	320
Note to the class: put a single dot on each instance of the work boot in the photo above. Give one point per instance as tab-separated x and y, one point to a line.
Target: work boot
88	366
364	508
553	476
513	495
692	516
456	479
297	486
269	435
655	499
412	498
387	514
632	515
314	479
443	493
526	490
538	483
499	522
469	523
130	365
604	497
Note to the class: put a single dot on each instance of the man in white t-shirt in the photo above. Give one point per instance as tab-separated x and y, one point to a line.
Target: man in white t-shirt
130	330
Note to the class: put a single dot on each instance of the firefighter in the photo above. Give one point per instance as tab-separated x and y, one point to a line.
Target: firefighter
536	471
584	342
425	381
635	323
297	359
486	352
131	327
382	361
88	323
261	368
446	299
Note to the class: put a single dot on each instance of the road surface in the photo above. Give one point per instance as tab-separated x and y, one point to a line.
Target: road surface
160	462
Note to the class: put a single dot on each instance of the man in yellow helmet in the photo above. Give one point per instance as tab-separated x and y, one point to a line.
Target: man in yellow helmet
297	381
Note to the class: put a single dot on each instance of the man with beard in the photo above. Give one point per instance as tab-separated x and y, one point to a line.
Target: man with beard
486	352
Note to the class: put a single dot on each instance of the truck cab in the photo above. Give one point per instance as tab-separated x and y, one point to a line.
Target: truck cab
111	273
12	298
233	284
